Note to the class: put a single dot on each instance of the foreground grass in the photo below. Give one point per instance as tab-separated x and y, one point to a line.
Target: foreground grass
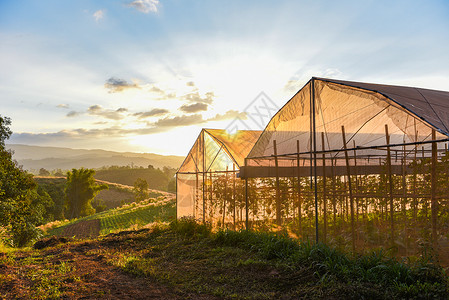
187	260
250	265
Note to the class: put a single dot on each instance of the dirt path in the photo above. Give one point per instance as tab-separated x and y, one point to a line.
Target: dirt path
78	270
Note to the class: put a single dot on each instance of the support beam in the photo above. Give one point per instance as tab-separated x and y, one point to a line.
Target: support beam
351	198
390	185
278	194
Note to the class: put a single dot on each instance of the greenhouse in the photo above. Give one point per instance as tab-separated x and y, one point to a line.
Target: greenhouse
208	188
356	165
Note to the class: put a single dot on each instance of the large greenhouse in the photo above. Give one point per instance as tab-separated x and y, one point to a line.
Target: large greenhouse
352	164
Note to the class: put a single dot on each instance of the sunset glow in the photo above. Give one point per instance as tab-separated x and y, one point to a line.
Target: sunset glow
148	77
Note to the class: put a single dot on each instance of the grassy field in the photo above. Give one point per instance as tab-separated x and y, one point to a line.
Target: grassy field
134	215
184	260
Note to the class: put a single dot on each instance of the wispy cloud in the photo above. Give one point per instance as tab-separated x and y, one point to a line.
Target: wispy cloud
97	110
184	120
196	97
230	114
193	108
98	15
115	85
65	106
152	113
145	6
73	113
161	94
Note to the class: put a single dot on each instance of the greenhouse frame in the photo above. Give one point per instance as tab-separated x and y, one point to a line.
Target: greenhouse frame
207	185
355	165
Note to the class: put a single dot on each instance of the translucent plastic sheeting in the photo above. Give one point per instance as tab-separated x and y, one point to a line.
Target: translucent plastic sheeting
362	111
210	166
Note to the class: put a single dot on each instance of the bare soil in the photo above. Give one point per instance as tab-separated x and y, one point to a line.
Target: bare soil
84	229
76	270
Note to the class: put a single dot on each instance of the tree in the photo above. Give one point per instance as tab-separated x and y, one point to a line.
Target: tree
80	190
43	172
140	189
22	207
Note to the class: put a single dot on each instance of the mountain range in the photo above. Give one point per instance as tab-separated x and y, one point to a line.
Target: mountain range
33	158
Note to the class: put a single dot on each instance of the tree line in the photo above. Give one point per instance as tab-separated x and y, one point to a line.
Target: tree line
24	205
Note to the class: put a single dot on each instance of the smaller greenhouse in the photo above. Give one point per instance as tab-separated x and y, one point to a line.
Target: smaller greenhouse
208	188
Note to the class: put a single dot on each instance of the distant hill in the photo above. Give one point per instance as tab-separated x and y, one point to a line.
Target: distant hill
33	158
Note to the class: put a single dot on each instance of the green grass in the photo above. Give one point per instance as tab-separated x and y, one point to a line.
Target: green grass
192	261
127	216
253	265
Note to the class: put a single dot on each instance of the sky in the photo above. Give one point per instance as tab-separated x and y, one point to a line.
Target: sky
147	75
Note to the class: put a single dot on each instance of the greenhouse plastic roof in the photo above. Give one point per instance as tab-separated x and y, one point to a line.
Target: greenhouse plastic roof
430	105
217	149
363	110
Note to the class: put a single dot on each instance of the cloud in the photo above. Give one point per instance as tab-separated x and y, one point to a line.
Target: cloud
190	83
116	85
97	110
157	90
184	120
195	97
230	114
73	113
163	95
98	15
145	6
65	106
152	113
193	108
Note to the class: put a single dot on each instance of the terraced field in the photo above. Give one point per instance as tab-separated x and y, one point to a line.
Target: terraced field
129	216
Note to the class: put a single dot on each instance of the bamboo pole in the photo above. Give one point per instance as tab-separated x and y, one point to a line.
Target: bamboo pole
278	197
404	199
351	199
225	196
324	190
356	186
334	200
299	188
196	194
210	195
433	201
246	204
233	193
204	180
390	181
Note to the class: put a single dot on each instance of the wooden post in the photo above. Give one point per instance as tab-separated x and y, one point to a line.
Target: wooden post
210	195
334	200
233	193
278	196
324	189
204	180
390	183
356	186
299	188
225	196
433	192
196	194
404	199
415	200
246	204
351	200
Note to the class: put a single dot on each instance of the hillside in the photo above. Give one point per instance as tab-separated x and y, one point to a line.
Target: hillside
33	158
127	216
155	178
185	260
